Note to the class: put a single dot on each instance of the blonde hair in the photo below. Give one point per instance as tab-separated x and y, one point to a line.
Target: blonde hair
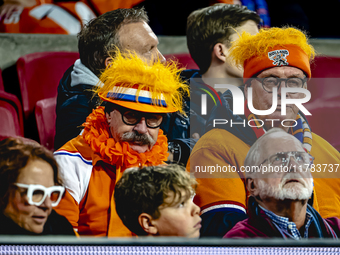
249	46
128	70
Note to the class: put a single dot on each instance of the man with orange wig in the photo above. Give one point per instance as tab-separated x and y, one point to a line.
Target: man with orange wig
276	64
123	134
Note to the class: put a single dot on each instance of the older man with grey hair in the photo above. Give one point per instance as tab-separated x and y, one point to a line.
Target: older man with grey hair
280	184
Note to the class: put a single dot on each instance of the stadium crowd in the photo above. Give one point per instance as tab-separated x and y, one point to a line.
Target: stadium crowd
137	151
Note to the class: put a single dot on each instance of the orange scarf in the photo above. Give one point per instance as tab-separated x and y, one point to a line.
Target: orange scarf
97	135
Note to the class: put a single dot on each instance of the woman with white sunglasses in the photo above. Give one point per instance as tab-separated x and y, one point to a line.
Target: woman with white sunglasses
29	188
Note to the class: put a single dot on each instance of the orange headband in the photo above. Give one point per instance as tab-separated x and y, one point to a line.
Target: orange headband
287	55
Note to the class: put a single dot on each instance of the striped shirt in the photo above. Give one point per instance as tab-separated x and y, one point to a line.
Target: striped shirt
286	227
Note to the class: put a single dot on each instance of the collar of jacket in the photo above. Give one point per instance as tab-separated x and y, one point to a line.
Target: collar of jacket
259	219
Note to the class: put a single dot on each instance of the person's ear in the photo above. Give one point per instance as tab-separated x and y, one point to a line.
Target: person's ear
245	90
146	222
305	86
108	118
251	186
108	61
220	51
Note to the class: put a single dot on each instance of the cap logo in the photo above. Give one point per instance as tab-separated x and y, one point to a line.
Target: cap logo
279	57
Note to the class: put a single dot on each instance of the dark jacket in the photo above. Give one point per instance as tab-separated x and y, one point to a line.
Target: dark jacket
225	111
197	89
55	225
260	225
74	104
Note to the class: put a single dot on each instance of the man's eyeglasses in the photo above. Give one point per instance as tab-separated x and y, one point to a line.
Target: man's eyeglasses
130	117
268	83
37	193
283	158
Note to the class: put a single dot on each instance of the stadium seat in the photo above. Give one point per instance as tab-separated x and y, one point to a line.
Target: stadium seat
39	75
325	78
45	116
326	67
184	60
11	123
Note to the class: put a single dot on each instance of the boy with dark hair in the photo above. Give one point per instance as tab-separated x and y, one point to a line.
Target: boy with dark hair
210	33
158	201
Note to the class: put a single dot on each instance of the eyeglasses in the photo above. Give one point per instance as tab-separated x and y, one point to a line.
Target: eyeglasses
37	193
283	158
268	83
131	118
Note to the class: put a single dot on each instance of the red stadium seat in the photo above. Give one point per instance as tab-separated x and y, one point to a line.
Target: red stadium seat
184	60
39	75
45	116
11	123
326	67
325	78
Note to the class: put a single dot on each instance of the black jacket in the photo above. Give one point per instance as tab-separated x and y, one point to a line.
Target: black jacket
74	104
55	225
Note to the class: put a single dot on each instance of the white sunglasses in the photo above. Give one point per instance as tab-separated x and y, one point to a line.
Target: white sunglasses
37	193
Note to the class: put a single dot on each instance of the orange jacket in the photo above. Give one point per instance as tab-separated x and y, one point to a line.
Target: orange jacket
102	6
59	18
90	166
88	203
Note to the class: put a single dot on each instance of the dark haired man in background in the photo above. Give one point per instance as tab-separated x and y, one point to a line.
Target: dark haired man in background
126	29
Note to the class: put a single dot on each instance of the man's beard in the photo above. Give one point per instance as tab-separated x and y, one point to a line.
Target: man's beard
142	139
295	191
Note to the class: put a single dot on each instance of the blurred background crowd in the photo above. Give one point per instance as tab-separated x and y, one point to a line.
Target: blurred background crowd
166	18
